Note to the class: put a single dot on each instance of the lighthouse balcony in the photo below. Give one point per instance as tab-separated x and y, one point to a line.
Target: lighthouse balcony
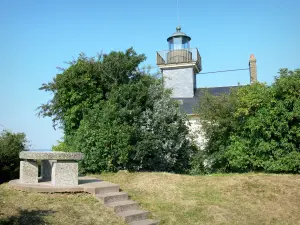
176	57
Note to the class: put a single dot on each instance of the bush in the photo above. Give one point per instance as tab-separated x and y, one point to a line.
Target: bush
61	146
138	128
86	83
255	127
105	142
10	146
118	115
163	143
198	163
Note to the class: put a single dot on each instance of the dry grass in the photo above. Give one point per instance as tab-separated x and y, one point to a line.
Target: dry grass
17	207
231	199
174	199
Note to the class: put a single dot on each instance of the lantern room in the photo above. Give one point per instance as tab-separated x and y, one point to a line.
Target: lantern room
179	53
179	65
179	40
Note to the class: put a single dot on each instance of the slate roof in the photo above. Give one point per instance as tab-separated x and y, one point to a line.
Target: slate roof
188	104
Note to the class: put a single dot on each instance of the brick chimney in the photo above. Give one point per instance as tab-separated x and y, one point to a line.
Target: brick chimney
252	68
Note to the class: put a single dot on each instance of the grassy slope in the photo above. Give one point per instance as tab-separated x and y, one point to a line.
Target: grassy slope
174	199
231	199
17	207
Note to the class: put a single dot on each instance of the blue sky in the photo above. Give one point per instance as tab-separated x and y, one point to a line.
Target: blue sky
37	36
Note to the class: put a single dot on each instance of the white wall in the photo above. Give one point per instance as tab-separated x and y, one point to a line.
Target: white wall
196	131
180	80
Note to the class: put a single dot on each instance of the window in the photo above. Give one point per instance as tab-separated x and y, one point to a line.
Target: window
177	43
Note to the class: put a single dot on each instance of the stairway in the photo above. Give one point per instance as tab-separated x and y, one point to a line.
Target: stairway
109	194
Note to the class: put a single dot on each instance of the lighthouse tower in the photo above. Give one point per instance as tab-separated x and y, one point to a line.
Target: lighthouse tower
179	65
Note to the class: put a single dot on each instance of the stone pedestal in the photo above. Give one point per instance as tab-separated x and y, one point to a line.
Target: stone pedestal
64	173
46	169
59	167
28	172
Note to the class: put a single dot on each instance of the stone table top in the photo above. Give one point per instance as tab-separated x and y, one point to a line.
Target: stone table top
50	155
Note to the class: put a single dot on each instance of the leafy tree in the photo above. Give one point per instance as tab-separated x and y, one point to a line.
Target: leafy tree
87	82
118	116
104	140
11	144
163	143
138	128
61	146
255	127
216	121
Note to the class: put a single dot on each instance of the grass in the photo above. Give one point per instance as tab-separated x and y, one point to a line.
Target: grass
173	199
17	207
231	199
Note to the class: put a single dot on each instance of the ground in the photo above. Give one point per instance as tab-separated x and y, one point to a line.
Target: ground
17	207
218	199
173	199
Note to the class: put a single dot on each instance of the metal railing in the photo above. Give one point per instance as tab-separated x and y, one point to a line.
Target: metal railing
178	56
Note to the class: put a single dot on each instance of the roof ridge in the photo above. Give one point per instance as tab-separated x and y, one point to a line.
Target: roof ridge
222	86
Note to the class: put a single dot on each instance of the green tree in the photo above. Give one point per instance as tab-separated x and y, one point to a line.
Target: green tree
61	146
164	143
87	82
216	114
138	128
105	106
255	127
11	144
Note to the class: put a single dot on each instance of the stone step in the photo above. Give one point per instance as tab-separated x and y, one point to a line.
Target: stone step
133	215
112	197
145	222
123	205
101	188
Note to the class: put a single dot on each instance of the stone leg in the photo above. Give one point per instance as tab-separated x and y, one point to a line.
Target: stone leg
28	172
64	173
46	169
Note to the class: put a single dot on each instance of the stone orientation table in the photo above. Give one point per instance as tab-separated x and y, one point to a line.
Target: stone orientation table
59	167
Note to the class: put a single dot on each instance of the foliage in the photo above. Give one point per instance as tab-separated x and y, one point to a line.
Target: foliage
255	127
10	146
118	116
104	140
198	165
61	146
88	81
162	135
216	121
138	128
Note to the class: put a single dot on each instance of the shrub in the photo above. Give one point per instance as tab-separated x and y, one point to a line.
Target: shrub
163	143
105	142
85	83
138	128
255	127
10	146
61	146
118	115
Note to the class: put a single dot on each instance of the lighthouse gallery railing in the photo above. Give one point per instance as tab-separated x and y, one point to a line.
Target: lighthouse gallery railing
178	56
